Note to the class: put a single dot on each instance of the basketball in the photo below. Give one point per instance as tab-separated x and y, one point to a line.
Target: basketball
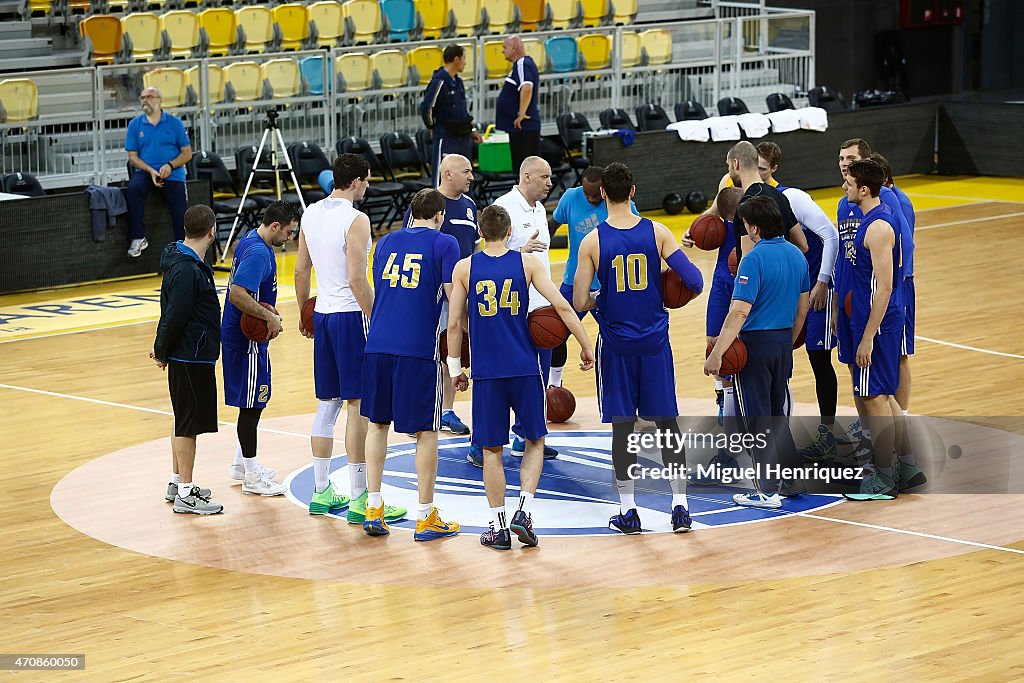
673	203
561	404
673	291
734	263
255	329
734	358
306	315
708	232
547	328
465	348
848	304
802	337
696	202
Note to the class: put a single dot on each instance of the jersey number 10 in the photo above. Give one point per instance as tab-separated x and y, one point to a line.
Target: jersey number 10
408	275
630	271
489	306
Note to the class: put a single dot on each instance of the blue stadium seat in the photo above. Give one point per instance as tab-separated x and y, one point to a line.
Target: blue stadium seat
563	54
312	69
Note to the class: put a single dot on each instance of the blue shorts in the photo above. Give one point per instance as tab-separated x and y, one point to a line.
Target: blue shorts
909	307
844	337
632	386
494	398
882	377
338	355
819	327
719	300
402	390
566	291
246	376
544	358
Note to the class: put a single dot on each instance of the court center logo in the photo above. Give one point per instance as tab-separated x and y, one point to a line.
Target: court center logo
575	497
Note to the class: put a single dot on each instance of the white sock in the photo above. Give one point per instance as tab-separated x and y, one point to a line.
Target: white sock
678	490
250	465
374	500
718	385
357	478
175	477
905	413
625	489
423	509
887	471
184	489
498	518
907	459
525	501
321	474
555	377
679	499
728	404
238	454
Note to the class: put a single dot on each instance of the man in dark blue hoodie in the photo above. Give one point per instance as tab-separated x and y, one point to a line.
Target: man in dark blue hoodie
187	345
445	112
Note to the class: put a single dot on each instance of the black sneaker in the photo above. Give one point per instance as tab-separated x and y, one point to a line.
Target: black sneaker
791	487
628	523
522	526
499	540
681	521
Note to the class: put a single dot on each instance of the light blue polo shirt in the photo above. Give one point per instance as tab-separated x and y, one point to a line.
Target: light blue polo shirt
771	278
159	144
580	216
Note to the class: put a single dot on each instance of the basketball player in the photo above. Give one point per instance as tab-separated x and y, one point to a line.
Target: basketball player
580	209
402	375
742	162
335	239
872	276
822	249
768	309
246	363
635	374
456	174
506	375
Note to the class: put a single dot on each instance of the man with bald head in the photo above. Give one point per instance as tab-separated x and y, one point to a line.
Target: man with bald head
516	111
456	175
158	148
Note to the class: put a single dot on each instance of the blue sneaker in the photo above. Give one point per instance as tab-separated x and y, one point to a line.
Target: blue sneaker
475	456
822	446
721	461
451	422
855	434
681	521
628	523
519	448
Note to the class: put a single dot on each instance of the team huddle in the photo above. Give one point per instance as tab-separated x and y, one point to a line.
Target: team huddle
452	271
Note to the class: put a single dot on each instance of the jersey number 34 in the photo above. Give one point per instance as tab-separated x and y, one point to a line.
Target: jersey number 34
490	304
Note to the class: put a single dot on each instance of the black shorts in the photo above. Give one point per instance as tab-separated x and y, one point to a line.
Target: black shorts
193	388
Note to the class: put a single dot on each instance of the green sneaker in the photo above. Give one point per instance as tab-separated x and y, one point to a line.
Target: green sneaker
327	500
875	486
822	446
909	476
357	511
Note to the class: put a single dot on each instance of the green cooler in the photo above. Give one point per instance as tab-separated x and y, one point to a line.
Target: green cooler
494	154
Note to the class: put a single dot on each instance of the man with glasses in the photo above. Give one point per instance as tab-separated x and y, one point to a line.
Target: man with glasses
158	146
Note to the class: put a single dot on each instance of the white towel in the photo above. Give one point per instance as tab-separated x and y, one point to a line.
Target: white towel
813	118
754	125
691	131
723	128
784	121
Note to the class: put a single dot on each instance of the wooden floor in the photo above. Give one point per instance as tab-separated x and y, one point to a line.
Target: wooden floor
928	587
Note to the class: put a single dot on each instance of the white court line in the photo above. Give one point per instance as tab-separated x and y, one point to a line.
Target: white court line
968	348
45	335
969	220
976	200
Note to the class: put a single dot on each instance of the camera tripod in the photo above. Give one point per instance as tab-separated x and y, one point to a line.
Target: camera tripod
277	146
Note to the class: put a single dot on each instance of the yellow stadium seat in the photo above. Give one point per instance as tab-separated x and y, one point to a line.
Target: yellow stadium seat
468	16
330	22
625	11
494	60
221	28
596	50
283	76
532	14
215	76
172	83
425	59
501	16
534	47
565	13
144	30
596	12
104	32
39	7
356	69
365	19
657	43
390	68
182	27
293	18
469	72
20	100
632	50
246	79
436	17
258	24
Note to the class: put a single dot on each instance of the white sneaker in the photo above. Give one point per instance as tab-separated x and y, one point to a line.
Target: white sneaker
258	484
237	472
756	499
137	246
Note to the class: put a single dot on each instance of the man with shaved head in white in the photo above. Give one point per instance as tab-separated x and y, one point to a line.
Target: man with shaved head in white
516	112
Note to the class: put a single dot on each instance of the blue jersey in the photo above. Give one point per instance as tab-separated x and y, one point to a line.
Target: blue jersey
849	218
410	267
499	335
630	309
254	268
576	212
862	275
722	264
459	222
908	238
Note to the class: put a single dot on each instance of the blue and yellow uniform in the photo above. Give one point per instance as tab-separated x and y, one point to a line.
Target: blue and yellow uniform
909	293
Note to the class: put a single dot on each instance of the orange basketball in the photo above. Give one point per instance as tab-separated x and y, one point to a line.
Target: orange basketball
708	232
848	304
306	315
734	262
547	328
255	329
465	348
734	358
561	404
673	291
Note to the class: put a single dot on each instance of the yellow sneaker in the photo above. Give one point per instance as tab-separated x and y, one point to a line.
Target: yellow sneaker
432	527
374	524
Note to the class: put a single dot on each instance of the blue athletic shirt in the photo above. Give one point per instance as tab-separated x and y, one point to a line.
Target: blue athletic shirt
459	222
410	268
255	269
158	144
524	70
722	264
630	308
499	335
771	278
580	216
908	238
862	276
849	217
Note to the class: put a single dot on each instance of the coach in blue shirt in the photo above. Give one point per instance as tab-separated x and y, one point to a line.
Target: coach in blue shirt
446	113
158	147
516	111
769	306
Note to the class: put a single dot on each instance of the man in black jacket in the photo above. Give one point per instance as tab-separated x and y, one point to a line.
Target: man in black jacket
188	345
445	111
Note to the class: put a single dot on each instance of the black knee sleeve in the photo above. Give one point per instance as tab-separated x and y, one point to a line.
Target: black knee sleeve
248	421
825	384
622	459
559	355
672	452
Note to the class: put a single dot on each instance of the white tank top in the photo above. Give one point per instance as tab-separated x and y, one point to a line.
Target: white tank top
325	225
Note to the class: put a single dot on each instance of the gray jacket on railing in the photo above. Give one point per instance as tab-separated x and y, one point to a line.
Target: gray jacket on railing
106	204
